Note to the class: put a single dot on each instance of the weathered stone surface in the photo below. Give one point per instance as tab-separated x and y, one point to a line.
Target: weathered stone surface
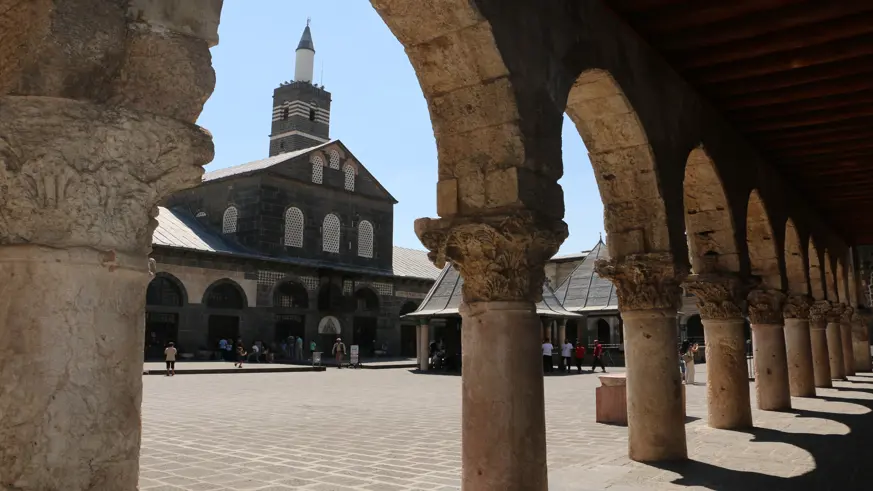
765	307
76	174
644	281
835	313
818	312
500	258
727	380
797	307
719	295
195	18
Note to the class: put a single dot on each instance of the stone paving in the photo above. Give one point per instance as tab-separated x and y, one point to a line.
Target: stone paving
396	430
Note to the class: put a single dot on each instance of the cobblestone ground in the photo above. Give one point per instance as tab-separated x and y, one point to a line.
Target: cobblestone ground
395	430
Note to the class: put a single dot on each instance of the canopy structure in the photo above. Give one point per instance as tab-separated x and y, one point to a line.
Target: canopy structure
444	299
586	292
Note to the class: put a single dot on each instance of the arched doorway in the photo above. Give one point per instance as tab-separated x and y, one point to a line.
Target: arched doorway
224	301
407	330
165	297
572	333
604	331
366	321
329	328
694	329
290	302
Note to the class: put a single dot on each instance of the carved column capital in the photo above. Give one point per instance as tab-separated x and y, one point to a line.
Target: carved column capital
797	307
835	314
719	295
819	311
765	306
75	174
644	281
500	258
846	315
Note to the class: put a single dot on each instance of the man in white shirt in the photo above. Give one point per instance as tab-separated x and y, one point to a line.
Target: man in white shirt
547	356
567	354
255	352
170	354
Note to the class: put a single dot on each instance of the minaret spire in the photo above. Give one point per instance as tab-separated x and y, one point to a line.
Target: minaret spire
305	62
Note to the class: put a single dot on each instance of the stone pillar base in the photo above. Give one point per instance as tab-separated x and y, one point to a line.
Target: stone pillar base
771	367
504	426
727	387
798	347
835	351
71	334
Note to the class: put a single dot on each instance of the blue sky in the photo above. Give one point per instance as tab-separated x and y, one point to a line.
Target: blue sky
378	109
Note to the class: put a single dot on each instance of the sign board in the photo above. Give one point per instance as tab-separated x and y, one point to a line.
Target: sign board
329	325
354	354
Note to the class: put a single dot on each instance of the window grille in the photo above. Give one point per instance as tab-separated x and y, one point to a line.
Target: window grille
294	227
350	177
228	223
334	159
330	234
317	169
348	286
365	239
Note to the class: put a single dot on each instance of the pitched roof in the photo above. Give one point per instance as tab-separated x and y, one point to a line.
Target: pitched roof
179	229
306	40
260	164
444	298
584	290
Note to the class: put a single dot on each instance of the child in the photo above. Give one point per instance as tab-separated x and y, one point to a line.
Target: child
240	355
170	355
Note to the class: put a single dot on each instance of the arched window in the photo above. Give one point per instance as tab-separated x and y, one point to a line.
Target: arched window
294	227
163	291
317	169
330	234
224	296
365	239
228	223
285	113
334	159
350	177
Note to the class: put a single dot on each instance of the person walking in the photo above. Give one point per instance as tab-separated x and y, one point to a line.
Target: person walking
567	354
580	355
682	350
240	354
298	348
170	356
312	349
339	351
547	356
688	356
598	356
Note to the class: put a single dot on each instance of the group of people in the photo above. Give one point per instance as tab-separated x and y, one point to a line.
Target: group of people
568	352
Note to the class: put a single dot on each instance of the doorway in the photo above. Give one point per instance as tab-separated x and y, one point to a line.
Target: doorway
222	327
364	335
161	328
289	325
407	341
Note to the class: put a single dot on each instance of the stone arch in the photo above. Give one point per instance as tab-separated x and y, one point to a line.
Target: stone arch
329	297
290	294
829	282
167	291
795	271
708	220
841	282
817	287
763	254
366	300
408	306
635	216
225	294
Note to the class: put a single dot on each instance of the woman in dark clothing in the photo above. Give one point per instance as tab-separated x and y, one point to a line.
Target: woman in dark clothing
240	354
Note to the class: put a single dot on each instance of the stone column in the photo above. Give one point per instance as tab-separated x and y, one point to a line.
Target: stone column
835	342
846	339
424	346
819	343
798	346
768	341
502	263
649	295
547	328
719	296
861	342
99	131
418	345
562	332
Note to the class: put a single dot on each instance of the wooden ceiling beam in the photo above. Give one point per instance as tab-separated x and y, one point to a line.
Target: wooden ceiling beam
799	107
828	88
784	62
794	78
833	158
776	42
810	119
850	126
759	23
811	142
691	14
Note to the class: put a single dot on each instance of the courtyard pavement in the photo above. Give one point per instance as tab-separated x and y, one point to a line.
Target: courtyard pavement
397	430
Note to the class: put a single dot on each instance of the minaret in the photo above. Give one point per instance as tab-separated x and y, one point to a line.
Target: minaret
305	57
301	109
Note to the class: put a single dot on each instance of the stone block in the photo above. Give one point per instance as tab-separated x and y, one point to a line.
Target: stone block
611	400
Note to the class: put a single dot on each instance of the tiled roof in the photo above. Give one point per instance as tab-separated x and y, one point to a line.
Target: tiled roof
260	164
413	263
570	257
179	229
444	298
584	290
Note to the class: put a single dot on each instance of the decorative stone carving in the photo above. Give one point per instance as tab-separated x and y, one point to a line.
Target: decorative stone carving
819	310
835	314
765	306
78	174
797	307
644	281
719	295
846	315
500	258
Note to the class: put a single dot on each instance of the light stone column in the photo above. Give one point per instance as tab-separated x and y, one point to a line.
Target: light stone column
861	342
424	346
798	346
649	293
768	341
835	342
547	329
99	130
562	332
819	343
503	408
846	339
418	345
719	296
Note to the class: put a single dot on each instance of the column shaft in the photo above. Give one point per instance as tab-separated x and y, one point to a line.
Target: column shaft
504	439
835	351
562	332
424	347
848	349
418	345
771	367
727	374
820	353
656	423
798	344
72	332
861	343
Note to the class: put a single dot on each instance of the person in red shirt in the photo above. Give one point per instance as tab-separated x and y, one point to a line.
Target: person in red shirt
580	354
598	356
